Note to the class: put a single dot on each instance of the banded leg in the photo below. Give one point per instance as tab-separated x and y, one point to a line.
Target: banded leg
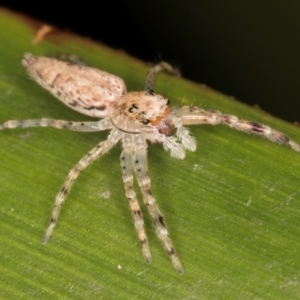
196	115
141	171
59	124
94	154
149	84
126	166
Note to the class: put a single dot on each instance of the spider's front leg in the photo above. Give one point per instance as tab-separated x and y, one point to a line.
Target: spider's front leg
141	171
149	85
126	166
192	115
94	154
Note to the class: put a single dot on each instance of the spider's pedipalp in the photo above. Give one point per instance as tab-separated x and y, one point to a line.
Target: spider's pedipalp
183	134
171	144
187	141
141	171
94	154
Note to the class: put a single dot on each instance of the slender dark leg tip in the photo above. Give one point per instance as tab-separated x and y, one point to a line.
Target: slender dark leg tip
44	240
180	271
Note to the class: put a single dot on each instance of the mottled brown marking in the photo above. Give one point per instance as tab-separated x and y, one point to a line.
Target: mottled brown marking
137	212
73	103
171	252
258	128
100	107
227	120
284	139
161	221
39	74
64	190
55	79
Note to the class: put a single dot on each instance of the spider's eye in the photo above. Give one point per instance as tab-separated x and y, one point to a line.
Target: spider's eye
133	108
145	122
168	101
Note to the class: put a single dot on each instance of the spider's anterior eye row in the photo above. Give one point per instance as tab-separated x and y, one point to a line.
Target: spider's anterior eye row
145	122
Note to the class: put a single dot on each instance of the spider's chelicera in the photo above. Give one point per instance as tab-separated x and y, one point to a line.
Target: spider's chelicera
132	118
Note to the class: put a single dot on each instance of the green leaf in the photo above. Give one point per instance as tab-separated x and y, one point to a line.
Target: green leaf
232	206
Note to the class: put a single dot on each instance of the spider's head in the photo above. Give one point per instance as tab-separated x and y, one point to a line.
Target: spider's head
139	112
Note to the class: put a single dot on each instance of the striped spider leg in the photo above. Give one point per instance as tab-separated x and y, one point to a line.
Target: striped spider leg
132	118
193	115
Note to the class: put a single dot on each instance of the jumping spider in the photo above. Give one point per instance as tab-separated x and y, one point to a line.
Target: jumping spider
132	118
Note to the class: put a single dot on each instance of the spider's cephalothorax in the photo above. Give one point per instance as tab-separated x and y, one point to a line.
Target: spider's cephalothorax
132	118
142	112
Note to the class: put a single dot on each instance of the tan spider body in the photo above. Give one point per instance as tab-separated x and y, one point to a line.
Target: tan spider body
132	118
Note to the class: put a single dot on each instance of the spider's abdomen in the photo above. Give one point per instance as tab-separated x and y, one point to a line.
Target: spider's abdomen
142	112
87	90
